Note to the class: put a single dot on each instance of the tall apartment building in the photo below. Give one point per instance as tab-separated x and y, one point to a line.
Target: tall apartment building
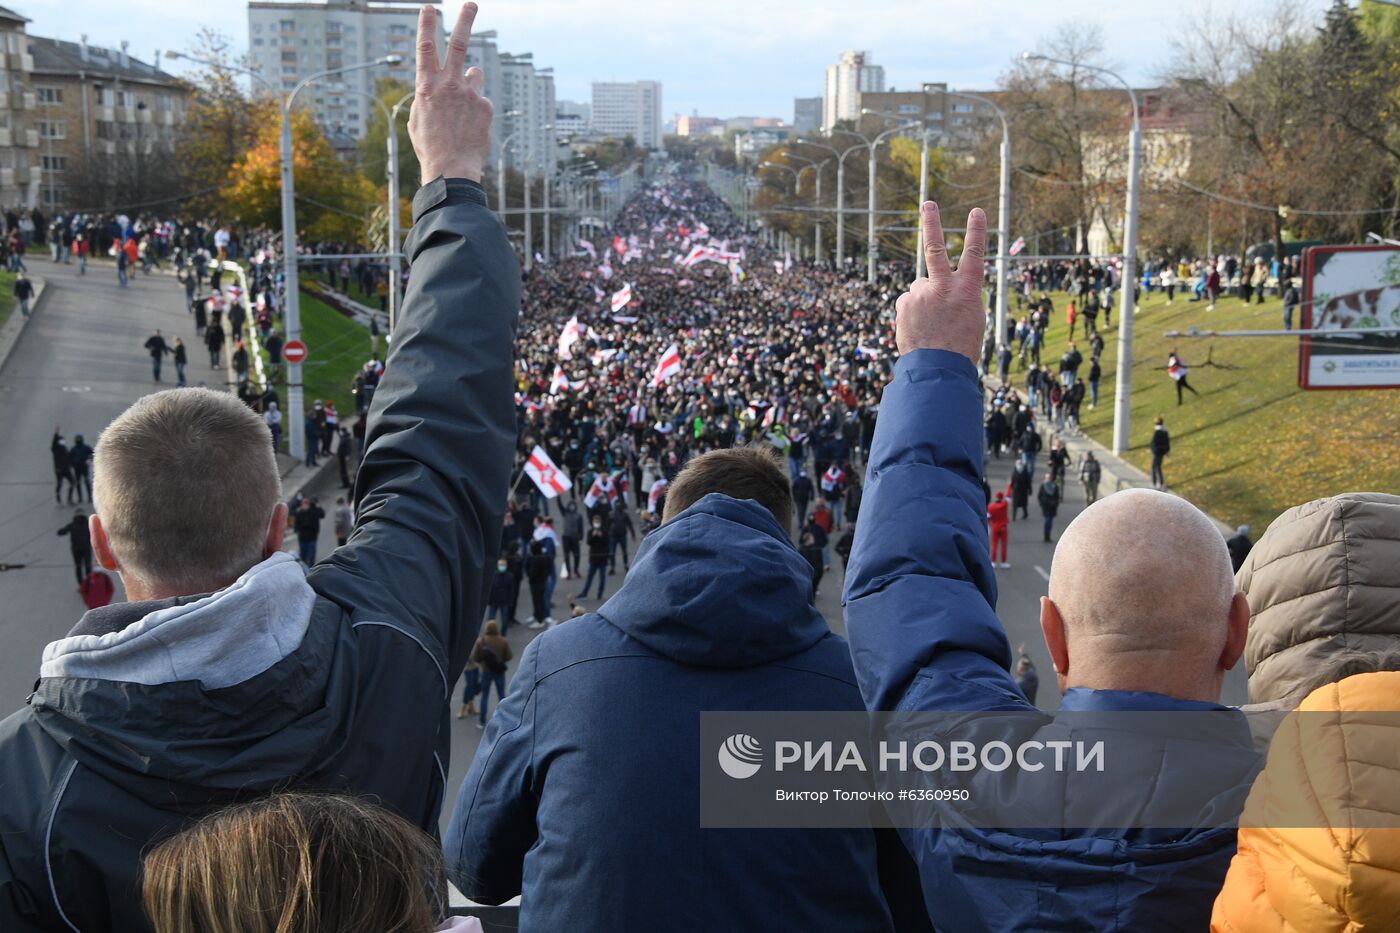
854	74
806	114
19	139
631	108
572	119
290	41
66	107
515	85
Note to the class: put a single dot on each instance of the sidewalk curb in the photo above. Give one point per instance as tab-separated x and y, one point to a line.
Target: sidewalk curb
1122	473
16	323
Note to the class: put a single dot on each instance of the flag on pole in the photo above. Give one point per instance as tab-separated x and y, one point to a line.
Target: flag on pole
568	338
1017	246
621	297
560	382
549	478
669	365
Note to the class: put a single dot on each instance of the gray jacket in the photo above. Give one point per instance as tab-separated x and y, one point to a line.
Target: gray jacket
336	679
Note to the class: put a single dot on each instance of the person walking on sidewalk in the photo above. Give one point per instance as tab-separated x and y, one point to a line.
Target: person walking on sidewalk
1049	498
1019	489
273	419
157	347
180	358
80	544
80	456
344	521
998	523
62	467
1090	473
492	654
307	524
598	547
24	291
1161	445
214	341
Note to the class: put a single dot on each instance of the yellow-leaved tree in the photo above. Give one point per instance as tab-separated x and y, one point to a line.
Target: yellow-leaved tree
333	199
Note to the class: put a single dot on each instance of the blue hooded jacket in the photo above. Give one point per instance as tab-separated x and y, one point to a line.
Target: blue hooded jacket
584	794
920	614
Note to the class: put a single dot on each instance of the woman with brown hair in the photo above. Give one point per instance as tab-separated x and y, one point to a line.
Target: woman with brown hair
299	863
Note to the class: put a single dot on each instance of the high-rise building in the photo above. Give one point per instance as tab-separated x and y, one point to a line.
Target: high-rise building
515	85
806	114
694	125
572	119
846	80
289	41
633	108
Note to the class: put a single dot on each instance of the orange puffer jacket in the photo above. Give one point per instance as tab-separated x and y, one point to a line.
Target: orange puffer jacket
1334	781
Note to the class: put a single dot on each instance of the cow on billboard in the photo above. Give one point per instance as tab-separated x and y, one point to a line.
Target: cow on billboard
1350	291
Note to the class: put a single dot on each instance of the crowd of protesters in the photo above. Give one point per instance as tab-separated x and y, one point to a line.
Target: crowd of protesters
251	745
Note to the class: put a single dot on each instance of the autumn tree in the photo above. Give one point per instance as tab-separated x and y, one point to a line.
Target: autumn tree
220	124
333	200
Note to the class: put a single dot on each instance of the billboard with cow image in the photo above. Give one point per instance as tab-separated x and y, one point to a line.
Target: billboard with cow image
1353	291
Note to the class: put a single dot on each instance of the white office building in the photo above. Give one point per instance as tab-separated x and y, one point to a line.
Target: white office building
632	108
846	80
515	85
290	41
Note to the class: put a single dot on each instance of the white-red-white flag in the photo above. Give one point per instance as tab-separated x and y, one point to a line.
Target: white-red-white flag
588	248
669	365
1017	246
549	478
621	298
603	488
560	382
568	338
833	478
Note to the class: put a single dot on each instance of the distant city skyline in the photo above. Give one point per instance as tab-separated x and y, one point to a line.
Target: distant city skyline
729	58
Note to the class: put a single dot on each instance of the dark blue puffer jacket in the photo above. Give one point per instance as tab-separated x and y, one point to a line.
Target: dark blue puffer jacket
920	614
584	795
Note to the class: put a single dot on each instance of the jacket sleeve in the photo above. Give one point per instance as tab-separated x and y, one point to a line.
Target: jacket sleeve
920	590
432	487
493	823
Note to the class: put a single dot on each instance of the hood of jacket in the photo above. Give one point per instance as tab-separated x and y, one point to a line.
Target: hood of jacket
1319	848
719	585
232	690
1321	585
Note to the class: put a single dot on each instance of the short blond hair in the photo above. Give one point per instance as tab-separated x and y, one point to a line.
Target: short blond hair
185	482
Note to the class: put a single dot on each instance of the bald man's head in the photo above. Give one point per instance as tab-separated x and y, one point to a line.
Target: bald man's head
1144	593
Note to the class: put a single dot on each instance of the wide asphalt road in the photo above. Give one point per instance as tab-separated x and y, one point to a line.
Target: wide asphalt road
78	364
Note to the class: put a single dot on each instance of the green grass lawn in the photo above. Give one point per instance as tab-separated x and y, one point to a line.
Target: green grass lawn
1253	443
336	349
7	296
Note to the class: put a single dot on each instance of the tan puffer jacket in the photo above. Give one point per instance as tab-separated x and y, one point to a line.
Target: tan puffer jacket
1323	585
1319	841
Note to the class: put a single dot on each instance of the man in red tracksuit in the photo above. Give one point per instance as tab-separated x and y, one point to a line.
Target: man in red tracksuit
998	517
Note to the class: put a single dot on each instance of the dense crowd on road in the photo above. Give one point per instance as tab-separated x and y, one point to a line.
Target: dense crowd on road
251	744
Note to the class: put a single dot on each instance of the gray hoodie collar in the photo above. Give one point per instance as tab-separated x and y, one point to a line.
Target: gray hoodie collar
219	640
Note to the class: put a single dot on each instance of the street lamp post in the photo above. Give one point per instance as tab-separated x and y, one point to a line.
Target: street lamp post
1123	380
392	267
291	303
529	216
840	191
873	243
1003	258
501	166
817	203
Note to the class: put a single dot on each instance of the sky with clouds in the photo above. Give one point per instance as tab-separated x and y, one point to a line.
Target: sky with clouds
723	57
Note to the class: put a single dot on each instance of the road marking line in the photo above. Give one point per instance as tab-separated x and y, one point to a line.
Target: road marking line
1041	570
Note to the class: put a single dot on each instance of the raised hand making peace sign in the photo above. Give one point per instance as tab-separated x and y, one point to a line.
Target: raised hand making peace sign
944	311
450	123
